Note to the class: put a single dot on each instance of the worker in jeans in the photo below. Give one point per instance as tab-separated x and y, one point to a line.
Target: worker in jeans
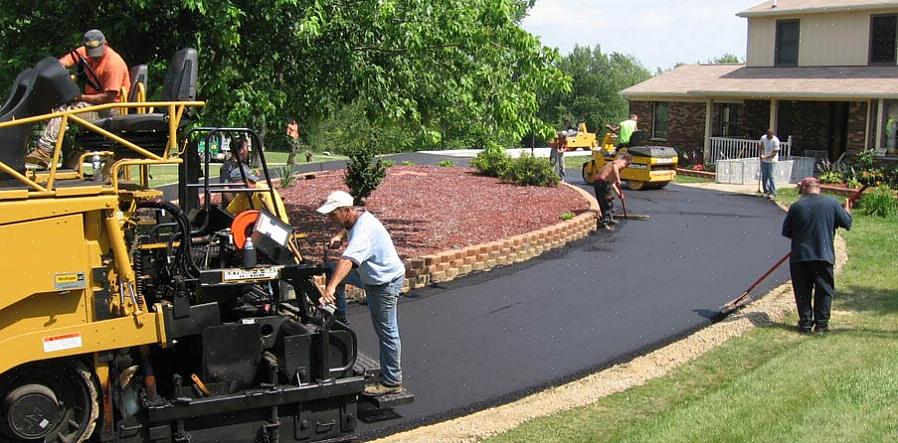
371	256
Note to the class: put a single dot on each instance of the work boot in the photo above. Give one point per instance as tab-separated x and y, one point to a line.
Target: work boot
378	389
613	221
38	157
606	227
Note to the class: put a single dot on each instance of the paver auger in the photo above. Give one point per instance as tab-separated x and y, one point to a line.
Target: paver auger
130	319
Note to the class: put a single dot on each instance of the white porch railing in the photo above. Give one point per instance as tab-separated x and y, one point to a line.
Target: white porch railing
724	148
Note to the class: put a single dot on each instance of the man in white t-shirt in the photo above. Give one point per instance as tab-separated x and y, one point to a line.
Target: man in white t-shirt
379	270
770	151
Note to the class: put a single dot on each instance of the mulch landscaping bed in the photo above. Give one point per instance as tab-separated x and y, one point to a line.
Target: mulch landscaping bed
429	209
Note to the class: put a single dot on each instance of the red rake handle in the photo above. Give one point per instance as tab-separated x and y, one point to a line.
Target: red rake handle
769	271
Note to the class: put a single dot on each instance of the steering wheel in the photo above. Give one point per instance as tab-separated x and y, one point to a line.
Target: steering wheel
85	72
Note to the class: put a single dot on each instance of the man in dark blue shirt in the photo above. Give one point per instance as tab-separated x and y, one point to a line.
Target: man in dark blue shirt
811	224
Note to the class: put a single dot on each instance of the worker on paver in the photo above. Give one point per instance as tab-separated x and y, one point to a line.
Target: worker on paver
625	130
371	259
606	182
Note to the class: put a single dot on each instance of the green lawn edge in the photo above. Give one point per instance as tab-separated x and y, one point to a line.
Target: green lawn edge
771	384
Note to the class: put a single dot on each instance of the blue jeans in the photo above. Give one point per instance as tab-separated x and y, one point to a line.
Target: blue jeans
382	303
767	178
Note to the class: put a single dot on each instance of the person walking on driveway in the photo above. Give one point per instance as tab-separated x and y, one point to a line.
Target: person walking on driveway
606	182
371	259
770	150
811	224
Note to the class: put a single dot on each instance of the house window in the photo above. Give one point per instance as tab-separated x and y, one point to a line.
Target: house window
729	120
787	33
889	126
659	120
883	39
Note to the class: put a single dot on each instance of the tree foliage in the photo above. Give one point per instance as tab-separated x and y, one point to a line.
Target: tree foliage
434	67
594	98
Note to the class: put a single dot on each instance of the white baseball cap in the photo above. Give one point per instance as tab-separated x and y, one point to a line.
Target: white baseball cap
336	199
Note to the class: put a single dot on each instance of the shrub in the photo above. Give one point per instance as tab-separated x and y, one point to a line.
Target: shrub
407	163
531	171
567	216
388	163
853	183
492	162
880	203
288	178
831	177
446	164
364	172
698	167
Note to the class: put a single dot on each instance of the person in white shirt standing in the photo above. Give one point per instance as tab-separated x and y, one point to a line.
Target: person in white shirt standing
770	151
379	270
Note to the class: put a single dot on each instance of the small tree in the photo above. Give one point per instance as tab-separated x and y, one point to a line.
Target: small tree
365	172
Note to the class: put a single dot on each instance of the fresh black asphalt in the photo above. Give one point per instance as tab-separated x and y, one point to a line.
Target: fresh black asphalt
493	337
496	336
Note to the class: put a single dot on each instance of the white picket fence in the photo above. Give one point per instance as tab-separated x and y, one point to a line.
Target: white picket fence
725	148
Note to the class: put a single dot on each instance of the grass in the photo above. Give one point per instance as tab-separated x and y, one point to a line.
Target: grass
168	174
689	179
772	384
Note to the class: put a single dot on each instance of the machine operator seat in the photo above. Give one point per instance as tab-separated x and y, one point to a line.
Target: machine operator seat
36	91
138	76
150	130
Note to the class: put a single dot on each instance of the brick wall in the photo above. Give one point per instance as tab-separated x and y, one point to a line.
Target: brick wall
685	125
857	127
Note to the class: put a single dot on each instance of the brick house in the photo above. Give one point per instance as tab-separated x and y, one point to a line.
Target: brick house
823	72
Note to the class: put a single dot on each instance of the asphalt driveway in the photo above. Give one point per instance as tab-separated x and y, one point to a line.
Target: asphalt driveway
493	337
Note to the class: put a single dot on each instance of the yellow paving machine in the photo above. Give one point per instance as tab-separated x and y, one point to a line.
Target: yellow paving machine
582	139
653	167
128	318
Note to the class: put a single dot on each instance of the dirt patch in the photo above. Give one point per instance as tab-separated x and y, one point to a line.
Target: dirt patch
429	209
770	309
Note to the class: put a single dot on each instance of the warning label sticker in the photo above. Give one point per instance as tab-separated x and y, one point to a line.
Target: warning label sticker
69	280
62	342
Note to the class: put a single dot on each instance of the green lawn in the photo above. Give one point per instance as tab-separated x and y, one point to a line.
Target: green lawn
772	384
168	174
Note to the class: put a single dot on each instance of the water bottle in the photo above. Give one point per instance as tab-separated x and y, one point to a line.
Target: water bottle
98	166
249	253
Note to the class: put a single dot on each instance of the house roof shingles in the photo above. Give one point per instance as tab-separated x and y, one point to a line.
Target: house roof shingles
739	81
791	7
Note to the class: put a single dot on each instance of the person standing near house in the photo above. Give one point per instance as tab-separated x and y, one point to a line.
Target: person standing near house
811	223
378	267
770	151
557	148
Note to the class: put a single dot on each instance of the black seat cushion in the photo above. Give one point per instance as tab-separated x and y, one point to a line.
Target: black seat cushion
134	123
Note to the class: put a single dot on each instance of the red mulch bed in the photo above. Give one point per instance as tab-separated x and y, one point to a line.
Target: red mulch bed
429	209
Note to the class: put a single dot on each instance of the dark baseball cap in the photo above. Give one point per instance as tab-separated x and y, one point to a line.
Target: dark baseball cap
95	43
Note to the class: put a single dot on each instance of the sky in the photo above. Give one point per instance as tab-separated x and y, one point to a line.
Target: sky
659	33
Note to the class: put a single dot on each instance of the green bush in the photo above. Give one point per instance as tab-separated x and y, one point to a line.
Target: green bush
365	172
492	162
446	164
288	178
567	216
407	163
531	171
831	177
388	163
880	203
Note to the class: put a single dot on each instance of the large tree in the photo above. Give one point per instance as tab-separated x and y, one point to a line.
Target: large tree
431	65
594	98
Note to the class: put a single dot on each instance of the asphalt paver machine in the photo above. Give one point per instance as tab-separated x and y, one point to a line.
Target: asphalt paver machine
128	318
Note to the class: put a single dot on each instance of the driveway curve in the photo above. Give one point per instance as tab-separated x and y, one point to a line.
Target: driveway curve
493	337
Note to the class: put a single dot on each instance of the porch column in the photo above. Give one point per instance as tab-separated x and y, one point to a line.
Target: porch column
878	117
867	124
774	108
706	153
